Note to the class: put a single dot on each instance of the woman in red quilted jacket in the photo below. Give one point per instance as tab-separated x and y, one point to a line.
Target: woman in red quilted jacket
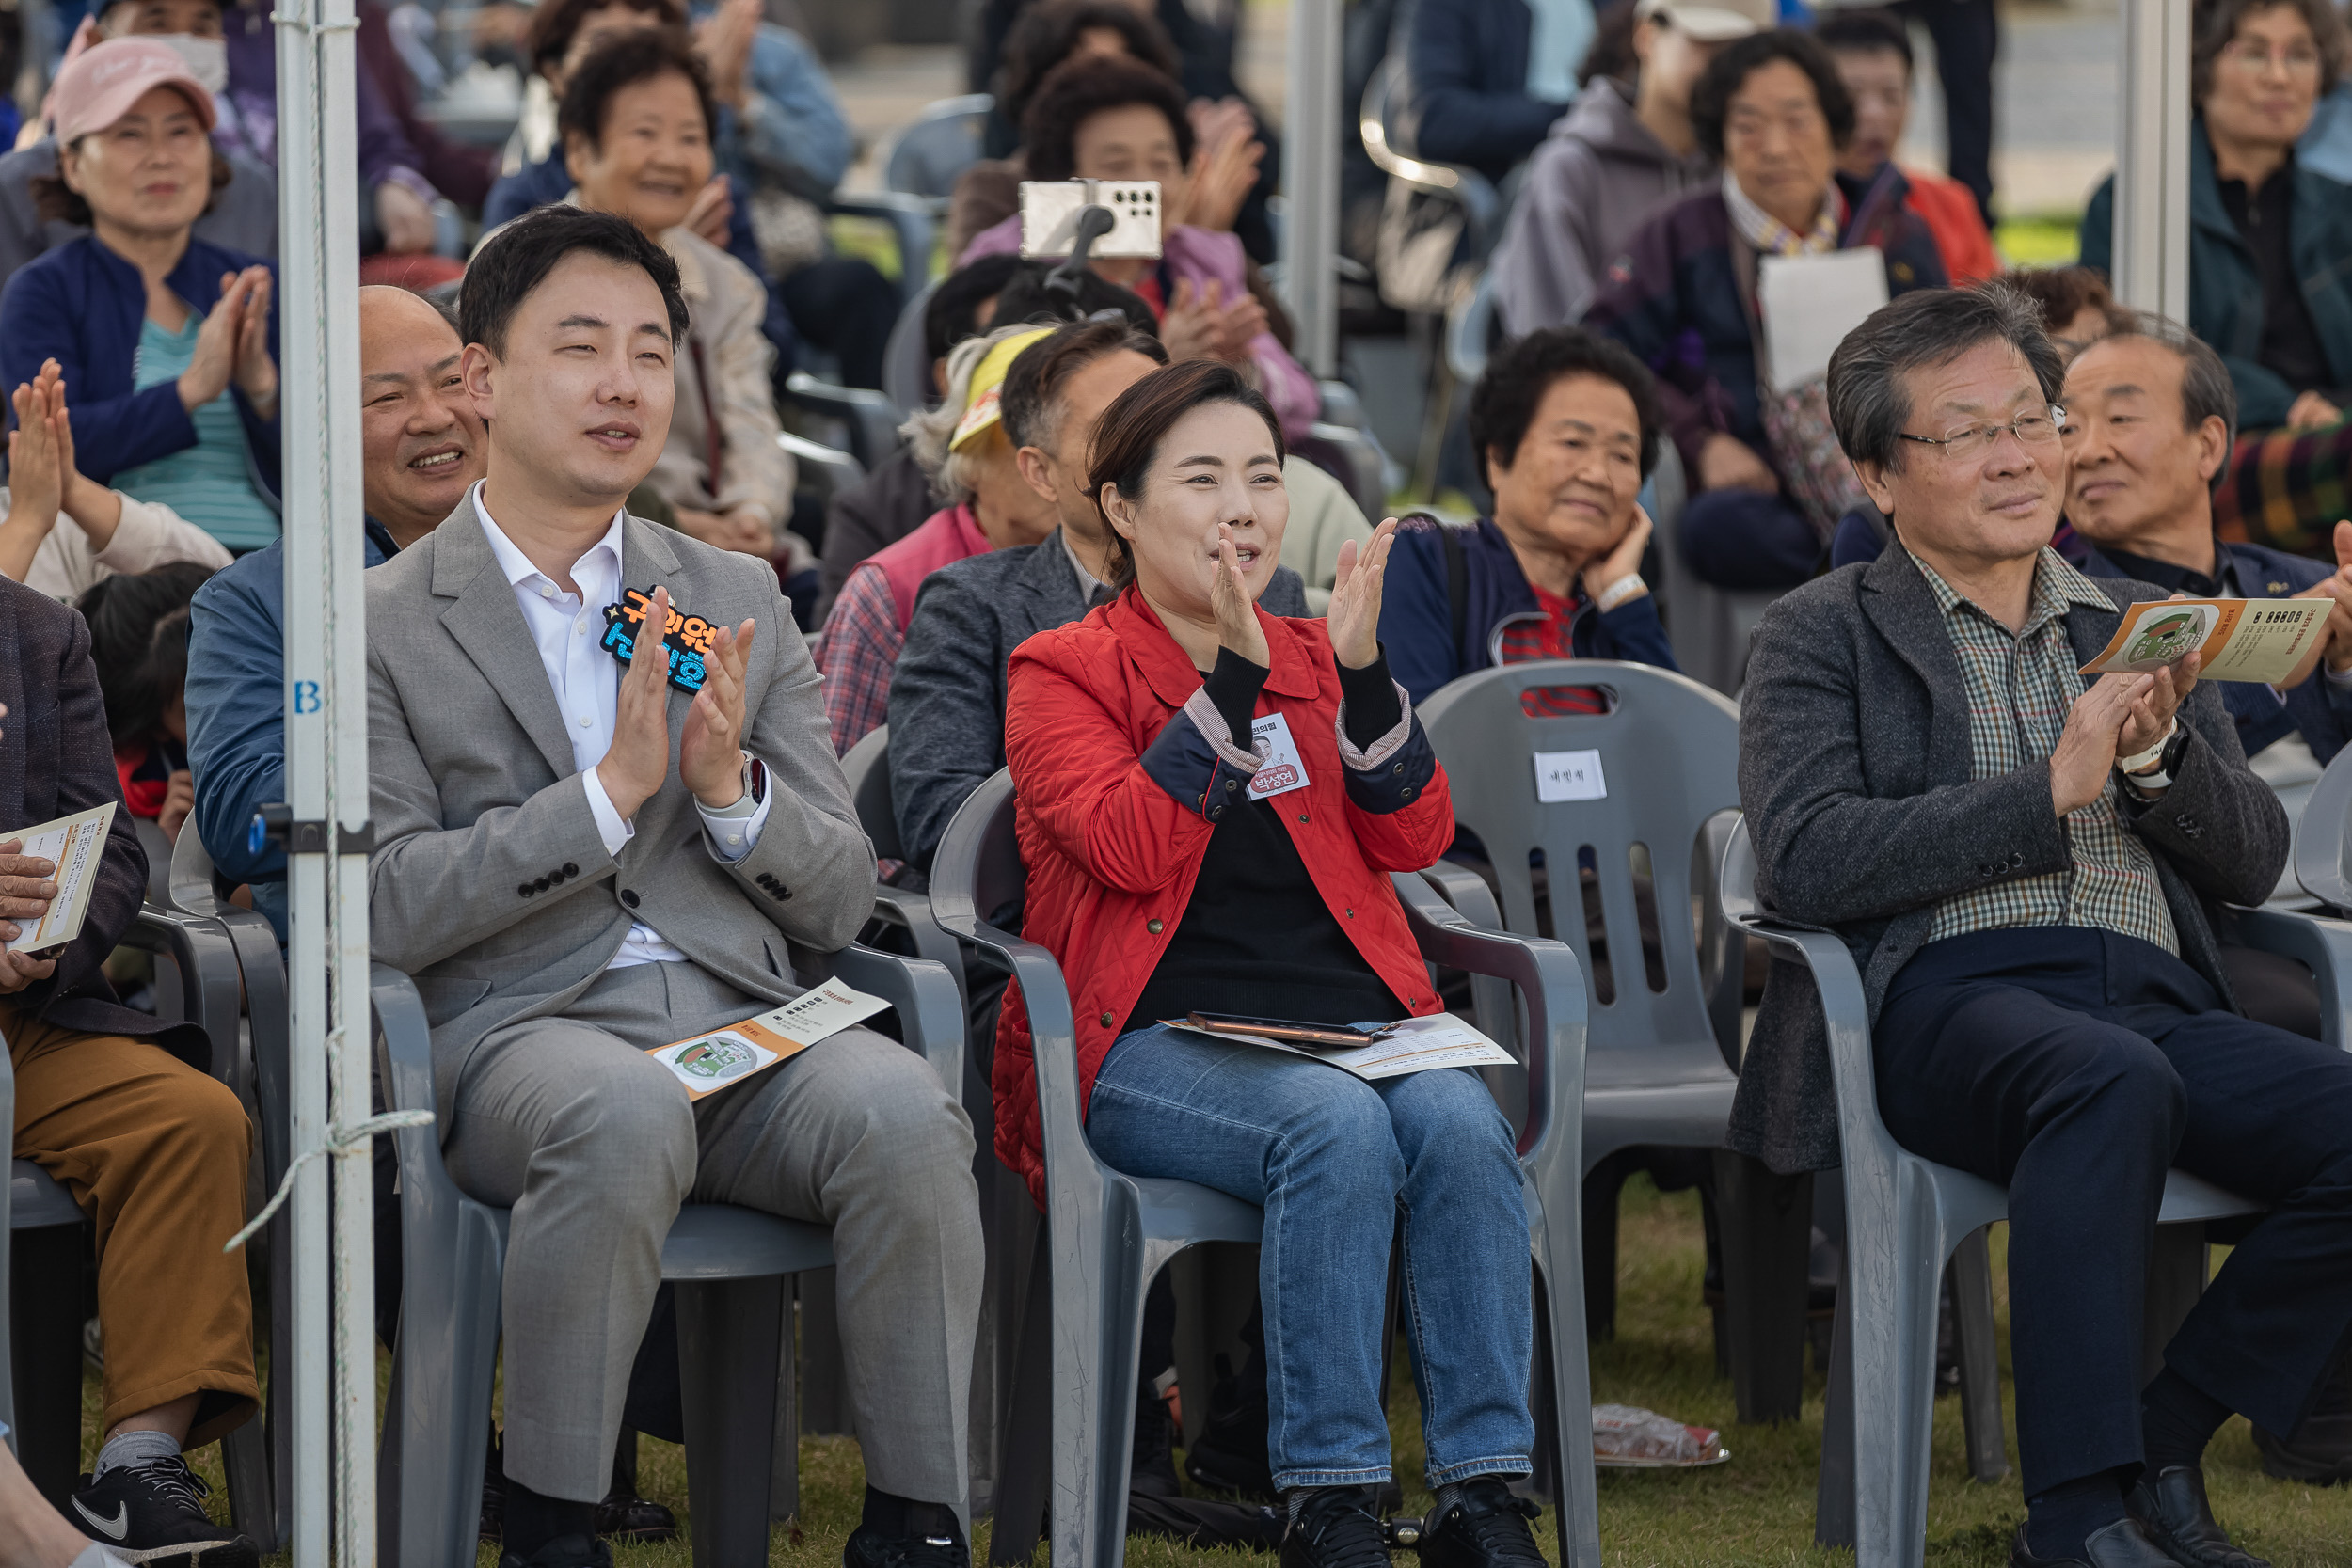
1211	799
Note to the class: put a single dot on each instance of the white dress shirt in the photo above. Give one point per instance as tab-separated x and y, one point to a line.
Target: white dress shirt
567	628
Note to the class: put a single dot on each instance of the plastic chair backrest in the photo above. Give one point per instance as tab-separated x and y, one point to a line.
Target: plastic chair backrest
978	871
2323	839
830	469
191	875
928	155
867	768
1664	759
906	375
1710	626
1468	328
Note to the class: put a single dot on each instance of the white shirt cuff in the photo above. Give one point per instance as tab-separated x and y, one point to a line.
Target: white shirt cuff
734	831
2341	679
615	830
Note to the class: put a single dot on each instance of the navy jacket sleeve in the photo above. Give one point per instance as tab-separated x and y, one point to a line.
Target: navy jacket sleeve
1416	614
1633	632
236	715
1463	116
2095	240
38	322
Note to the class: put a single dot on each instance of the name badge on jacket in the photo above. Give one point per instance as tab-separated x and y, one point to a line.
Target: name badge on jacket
1280	769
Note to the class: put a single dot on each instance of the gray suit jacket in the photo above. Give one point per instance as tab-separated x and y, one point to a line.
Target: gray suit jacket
490	884
1855	774
947	690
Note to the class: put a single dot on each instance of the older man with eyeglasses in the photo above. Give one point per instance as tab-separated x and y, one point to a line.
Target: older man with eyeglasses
2028	866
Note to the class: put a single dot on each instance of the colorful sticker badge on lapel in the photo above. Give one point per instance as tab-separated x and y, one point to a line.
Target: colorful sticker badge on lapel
689	638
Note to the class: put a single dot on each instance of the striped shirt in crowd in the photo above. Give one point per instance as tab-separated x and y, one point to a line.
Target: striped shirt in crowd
210	484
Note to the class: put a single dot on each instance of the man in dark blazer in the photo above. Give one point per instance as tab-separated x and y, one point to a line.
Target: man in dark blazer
2024	862
117	1106
947	690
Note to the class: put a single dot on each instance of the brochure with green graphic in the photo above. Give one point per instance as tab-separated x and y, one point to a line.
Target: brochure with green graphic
722	1057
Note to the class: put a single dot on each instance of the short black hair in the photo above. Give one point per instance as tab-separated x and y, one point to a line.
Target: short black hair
952	313
1076	90
1026	298
622	60
1038	377
1865	32
514	261
547	37
1870	392
1043	36
138	633
1504	402
1710	99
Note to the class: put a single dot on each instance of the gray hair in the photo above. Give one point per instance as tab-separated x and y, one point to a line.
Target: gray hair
928	431
1868	401
2207	391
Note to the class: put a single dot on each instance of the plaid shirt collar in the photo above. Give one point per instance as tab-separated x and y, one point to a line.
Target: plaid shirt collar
2058	588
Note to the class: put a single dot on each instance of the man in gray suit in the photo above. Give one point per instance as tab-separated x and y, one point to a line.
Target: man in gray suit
2028	866
947	690
578	865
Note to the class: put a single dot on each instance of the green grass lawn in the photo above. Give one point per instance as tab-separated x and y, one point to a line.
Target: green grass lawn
1756	1510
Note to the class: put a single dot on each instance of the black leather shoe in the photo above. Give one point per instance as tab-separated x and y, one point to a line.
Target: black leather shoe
493	1529
2171	1506
565	1551
1230	1455
1486	1528
624	1516
933	1540
2122	1545
1152	1466
1334	1528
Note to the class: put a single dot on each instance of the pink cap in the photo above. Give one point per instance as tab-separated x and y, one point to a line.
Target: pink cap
98	86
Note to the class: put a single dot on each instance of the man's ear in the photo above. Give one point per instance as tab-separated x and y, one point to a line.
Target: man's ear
2212	446
1038	470
1873	477
478	371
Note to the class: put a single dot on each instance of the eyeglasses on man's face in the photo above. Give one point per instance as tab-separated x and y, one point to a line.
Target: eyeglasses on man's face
2034	427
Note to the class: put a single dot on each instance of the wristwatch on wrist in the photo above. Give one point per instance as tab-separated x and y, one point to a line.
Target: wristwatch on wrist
754	778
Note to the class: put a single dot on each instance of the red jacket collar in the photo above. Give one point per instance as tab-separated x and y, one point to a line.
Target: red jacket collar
1170	673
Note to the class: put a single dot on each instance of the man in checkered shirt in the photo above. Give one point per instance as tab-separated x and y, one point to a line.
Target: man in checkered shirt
2029	868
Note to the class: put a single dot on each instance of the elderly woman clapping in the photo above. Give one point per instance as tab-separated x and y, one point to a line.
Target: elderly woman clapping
169	346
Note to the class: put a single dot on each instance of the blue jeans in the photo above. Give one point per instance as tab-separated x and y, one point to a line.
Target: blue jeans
1329	1157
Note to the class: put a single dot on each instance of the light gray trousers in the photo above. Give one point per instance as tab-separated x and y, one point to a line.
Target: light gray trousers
594	1145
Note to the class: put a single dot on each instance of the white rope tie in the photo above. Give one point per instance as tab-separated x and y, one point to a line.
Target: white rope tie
339	1137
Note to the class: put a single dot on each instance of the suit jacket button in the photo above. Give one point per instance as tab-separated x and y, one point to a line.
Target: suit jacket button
526	890
629	898
543	883
570	870
1107	1021
1153	926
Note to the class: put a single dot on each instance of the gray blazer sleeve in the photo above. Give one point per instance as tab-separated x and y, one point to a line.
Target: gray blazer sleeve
812	846
434	890
1828	851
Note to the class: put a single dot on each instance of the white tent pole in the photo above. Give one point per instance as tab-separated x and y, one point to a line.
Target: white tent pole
2152	159
1311	181
333	1376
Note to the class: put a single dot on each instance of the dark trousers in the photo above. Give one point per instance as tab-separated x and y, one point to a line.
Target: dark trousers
845	306
2073	1067
1967	35
1747	539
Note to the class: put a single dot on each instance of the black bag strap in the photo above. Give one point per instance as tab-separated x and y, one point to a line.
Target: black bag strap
1456	590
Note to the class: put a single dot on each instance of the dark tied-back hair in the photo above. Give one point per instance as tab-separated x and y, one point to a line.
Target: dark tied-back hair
1079	89
1504	402
1026	298
1127	438
1869	398
2213	25
56	202
622	61
138	637
1031	404
953	312
1710	99
518	259
547	37
1043	36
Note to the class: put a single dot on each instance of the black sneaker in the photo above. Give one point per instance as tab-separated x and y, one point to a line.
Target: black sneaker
933	1540
565	1551
1486	1527
1335	1529
154	1514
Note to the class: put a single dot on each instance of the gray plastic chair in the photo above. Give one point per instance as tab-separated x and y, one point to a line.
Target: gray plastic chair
1904	1217
1353	457
925	156
730	1262
1108	1233
867	767
2323	839
869	420
1657	1068
913	228
1468	327
1710	626
906	368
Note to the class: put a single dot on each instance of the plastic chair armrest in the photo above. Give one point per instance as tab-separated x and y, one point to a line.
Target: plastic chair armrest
872	419
1053	1045
2323	945
929	1007
1467	891
405	1053
913	911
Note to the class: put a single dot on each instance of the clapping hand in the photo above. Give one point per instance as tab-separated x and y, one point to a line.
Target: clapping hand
710	753
256	372
2334	642
1235	607
1354	618
639	758
711	211
2118	715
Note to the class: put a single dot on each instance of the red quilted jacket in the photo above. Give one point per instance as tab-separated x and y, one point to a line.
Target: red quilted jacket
1115	776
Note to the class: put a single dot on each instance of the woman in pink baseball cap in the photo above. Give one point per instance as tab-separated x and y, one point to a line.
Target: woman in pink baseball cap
169	344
